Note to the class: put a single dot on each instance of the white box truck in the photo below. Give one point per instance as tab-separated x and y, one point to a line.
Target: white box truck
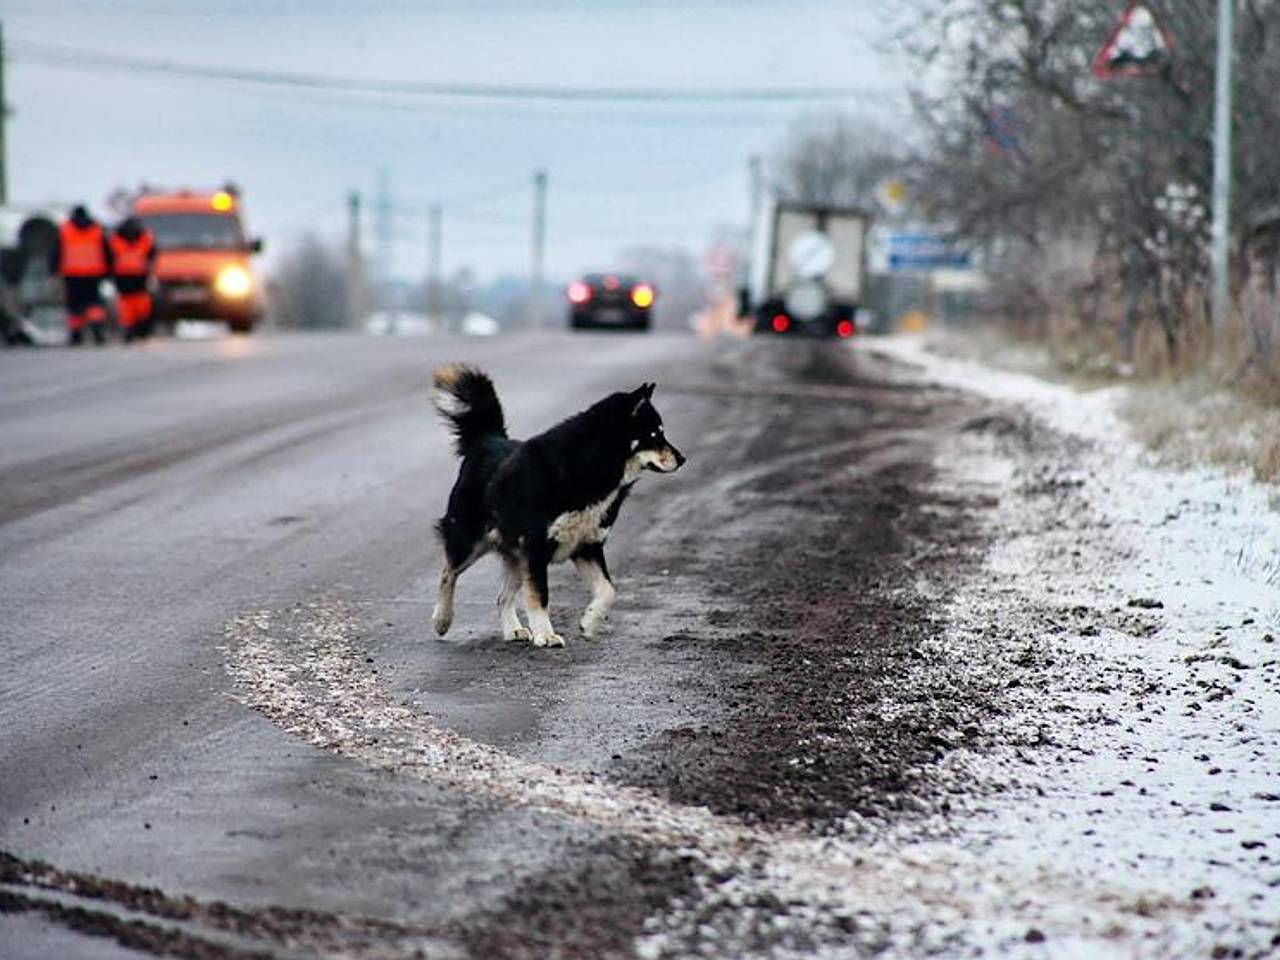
808	271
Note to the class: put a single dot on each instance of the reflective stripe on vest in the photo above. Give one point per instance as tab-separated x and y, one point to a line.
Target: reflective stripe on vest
82	250
129	257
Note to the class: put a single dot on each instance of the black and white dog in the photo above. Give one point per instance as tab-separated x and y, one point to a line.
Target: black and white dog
548	499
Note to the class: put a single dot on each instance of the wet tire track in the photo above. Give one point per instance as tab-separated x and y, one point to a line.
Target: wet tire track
44	483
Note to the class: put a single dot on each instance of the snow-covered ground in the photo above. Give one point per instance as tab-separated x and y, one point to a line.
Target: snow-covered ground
1141	816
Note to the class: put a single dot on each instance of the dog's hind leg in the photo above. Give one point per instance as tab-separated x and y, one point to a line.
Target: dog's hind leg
442	614
536	596
595	573
512	628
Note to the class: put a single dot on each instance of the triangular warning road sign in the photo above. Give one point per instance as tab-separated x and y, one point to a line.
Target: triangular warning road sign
1139	45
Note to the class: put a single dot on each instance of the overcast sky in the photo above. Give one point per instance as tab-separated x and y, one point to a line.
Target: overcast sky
619	173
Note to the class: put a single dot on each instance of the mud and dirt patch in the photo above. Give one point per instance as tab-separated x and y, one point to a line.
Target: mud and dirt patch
595	905
827	554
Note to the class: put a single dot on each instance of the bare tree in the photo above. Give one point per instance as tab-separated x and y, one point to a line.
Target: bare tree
837	160
310	286
1027	148
675	274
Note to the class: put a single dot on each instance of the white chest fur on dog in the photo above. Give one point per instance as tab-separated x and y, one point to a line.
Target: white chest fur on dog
573	529
577	527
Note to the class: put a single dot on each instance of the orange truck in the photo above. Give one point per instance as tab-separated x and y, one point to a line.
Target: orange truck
202	257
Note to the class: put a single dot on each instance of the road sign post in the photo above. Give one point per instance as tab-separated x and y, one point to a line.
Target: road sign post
1221	231
538	248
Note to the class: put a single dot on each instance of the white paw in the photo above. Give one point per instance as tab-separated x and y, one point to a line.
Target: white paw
592	624
517	634
548	640
441	619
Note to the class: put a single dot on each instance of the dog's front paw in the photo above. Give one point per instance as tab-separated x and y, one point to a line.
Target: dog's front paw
548	640
517	634
441	619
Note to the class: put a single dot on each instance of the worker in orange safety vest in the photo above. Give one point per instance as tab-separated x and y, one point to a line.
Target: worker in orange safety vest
83	259
133	253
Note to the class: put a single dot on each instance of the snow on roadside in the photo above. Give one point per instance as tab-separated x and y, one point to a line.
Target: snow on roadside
1153	598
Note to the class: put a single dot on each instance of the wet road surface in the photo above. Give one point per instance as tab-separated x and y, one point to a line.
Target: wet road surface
150	498
231	732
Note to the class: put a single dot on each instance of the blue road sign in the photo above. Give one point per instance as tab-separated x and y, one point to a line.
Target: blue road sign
925	251
935	261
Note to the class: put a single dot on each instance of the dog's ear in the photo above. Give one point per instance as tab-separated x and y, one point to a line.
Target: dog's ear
641	396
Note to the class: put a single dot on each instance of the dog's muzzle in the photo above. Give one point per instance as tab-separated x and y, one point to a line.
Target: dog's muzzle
670	459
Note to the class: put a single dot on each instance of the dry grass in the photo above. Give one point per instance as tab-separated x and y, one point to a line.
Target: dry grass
1216	399
1193	420
1243	355
1194	412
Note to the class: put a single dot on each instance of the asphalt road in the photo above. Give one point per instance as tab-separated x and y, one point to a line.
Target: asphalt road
845	707
229	730
150	496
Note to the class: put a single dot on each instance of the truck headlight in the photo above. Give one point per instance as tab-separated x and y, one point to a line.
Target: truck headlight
233	283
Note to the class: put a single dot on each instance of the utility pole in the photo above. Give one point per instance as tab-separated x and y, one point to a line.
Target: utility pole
538	252
1221	233
355	262
383	233
755	197
4	116
435	300
755	185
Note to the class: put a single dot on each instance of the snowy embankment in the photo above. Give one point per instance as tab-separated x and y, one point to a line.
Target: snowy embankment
1140	801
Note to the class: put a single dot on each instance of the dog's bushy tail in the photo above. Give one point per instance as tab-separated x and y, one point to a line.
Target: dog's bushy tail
464	396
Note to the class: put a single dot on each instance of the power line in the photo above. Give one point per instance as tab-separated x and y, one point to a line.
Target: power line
472	206
631	189
464	202
590	114
73	58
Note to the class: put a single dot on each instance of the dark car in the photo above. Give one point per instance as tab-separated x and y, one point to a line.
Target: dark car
610	301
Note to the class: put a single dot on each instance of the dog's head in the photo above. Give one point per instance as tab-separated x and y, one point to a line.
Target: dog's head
649	444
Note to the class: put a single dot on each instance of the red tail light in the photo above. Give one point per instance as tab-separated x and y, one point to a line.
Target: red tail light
611	283
844	328
579	292
781	322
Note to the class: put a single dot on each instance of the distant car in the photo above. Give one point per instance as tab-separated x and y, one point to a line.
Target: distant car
610	301
477	324
397	323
